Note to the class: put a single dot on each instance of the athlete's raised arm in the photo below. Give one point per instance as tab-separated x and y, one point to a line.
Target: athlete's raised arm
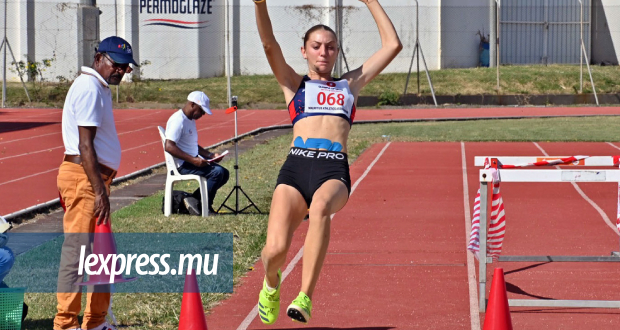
390	47
287	77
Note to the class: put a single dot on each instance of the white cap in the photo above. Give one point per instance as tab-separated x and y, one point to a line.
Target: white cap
201	99
4	225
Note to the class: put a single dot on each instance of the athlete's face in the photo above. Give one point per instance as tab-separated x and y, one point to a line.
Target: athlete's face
321	51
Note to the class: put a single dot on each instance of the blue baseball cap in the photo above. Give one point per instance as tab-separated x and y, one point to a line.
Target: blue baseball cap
118	49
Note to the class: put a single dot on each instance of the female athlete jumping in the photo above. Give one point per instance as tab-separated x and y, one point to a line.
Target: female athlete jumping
315	176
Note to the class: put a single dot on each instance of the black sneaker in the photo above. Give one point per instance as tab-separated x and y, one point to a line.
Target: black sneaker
191	204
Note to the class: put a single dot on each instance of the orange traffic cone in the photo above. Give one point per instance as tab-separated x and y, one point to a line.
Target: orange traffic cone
192	312
104	244
498	315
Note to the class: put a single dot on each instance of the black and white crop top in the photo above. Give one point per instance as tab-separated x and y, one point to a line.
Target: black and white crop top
322	98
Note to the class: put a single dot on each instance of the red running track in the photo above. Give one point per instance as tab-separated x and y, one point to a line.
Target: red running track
397	257
31	142
555	219
31	146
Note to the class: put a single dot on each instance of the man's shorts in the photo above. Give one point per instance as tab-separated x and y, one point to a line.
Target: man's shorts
306	170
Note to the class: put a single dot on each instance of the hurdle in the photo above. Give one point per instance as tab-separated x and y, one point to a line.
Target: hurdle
511	174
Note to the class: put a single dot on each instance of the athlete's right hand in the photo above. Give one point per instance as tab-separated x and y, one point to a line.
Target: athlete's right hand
102	208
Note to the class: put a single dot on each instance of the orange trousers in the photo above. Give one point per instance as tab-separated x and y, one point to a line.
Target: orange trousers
79	198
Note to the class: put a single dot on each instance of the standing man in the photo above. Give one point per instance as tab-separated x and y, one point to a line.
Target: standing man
191	158
92	156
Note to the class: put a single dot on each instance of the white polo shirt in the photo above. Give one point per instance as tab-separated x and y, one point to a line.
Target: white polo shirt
182	131
89	103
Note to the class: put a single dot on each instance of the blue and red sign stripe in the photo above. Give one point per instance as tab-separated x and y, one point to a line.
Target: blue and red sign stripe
176	23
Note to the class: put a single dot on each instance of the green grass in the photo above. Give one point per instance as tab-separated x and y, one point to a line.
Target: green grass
258	171
595	129
263	91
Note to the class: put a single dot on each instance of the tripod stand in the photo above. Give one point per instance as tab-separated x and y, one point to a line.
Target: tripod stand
418	49
237	188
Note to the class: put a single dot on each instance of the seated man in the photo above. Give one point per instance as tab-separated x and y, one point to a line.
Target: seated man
191	158
6	255
7	258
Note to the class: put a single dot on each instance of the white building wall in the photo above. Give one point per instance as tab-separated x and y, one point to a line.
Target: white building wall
38	30
289	20
192	44
180	38
611	9
13	33
361	35
56	33
24	34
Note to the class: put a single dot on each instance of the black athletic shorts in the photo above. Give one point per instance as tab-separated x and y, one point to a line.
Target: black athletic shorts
306	170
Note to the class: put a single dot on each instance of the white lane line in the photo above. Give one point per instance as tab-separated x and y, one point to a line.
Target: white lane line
369	168
254	312
600	211
31	153
136	117
42	115
471	268
124	150
613	145
59	123
53	133
202	129
140	146
226	122
282	122
30	137
137	130
29	176
57	147
59	132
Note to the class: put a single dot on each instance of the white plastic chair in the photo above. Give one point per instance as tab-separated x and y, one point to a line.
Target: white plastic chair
174	175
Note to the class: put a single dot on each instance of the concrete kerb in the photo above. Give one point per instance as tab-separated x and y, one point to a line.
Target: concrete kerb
55	203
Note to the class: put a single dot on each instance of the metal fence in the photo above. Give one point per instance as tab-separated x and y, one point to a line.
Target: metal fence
354	25
544	31
173	47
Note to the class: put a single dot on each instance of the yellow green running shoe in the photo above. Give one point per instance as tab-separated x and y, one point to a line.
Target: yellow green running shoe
269	302
300	309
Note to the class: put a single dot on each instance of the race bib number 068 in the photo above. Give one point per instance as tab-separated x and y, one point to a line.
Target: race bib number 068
329	97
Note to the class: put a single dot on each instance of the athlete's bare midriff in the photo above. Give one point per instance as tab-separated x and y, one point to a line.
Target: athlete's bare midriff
335	129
